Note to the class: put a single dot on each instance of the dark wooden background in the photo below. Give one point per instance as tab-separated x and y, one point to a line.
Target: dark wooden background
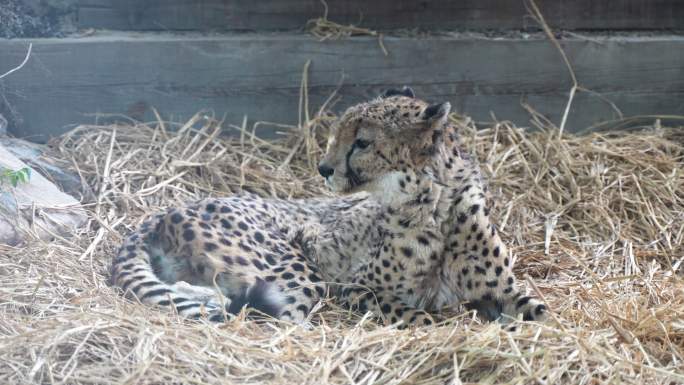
240	58
189	15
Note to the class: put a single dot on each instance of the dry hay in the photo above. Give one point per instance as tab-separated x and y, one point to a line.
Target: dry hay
597	221
324	29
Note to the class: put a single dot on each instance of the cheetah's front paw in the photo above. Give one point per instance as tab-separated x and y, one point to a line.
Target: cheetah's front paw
506	309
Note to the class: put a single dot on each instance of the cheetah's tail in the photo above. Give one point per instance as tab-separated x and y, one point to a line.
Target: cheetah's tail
133	272
262	296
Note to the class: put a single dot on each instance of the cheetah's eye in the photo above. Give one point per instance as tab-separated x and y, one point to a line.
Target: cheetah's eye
361	144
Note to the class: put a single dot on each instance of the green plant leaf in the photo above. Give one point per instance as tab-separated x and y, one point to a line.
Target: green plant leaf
12	177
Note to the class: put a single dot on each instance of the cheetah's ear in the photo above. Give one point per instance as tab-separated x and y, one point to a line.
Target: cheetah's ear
405	91
436	115
430	132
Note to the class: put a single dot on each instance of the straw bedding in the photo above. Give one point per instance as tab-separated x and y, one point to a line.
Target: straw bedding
595	221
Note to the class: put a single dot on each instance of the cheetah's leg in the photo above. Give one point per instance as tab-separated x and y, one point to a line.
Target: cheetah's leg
482	265
385	305
531	308
300	284
381	288
374	289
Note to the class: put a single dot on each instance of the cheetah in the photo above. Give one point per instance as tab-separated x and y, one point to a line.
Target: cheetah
407	235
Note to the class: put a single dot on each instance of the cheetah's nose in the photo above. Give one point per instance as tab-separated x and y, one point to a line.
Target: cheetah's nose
325	170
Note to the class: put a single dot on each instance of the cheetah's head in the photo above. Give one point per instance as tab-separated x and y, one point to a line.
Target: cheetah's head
374	143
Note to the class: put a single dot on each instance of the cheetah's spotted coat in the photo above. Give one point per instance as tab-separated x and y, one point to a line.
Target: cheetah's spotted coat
411	236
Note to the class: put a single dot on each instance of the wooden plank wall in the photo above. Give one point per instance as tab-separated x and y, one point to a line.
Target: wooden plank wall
259	75
222	15
157	53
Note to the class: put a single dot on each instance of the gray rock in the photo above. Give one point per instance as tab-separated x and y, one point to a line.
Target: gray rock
3	125
8	233
37	207
38	157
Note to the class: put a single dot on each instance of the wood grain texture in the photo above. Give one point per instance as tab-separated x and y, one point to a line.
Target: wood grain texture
259	76
205	15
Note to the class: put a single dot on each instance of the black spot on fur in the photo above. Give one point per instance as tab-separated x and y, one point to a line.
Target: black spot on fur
270	259
155	293
186	307
462	218
287	275
257	264
522	302
304	309
188	235
314	278
179	300
176	218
